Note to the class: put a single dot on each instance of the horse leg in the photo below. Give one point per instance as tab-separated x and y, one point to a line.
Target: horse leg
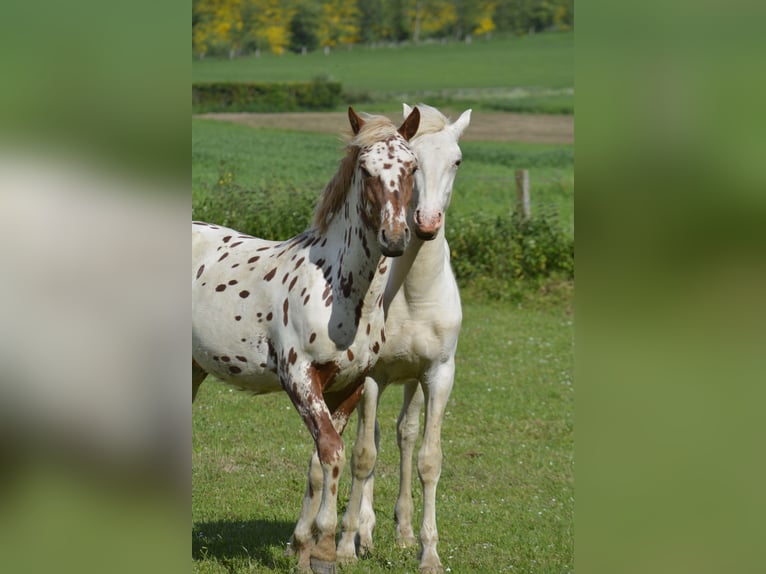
437	386
363	458
367	512
307	536
302	540
407	426
198	375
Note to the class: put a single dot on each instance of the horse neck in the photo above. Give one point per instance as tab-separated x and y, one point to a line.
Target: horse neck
353	252
419	267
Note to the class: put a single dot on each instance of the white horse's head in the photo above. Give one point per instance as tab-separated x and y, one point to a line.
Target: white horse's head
438	153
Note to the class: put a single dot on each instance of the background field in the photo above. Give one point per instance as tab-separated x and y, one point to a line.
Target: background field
293	162
528	73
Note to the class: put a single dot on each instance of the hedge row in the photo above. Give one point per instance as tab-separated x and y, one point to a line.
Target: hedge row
500	257
318	94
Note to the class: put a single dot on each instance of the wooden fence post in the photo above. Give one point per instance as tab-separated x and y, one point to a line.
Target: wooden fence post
522	193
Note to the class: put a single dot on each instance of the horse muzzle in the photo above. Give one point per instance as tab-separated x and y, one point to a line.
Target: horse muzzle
427	225
393	242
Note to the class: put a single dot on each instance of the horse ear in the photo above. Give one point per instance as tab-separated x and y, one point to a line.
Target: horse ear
407	110
461	123
356	121
410	126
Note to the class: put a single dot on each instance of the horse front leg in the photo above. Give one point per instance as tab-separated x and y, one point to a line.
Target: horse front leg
407	427
314	536
307	540
302	540
437	385
363	458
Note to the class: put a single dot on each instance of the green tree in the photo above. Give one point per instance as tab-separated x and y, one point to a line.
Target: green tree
303	27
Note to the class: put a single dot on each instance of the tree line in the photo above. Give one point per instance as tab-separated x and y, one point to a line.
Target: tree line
237	27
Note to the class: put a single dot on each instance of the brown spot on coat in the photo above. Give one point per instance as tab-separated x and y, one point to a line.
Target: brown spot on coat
285	305
226	239
235	244
241	359
234	370
254	259
270	275
244	294
221	287
312	337
224	256
350	354
292	356
292	283
200	270
233	282
238	318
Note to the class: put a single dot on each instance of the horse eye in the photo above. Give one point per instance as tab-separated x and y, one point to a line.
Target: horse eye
458	162
414	169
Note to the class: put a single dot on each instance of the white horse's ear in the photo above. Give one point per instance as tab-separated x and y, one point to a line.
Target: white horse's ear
462	122
407	110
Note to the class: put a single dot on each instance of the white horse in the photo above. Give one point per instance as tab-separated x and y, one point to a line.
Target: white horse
423	321
306	315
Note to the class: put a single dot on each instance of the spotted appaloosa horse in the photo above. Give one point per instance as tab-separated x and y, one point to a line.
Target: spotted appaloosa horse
423	321
306	315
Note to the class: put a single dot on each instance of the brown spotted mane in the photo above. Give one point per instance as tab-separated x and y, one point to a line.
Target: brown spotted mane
375	128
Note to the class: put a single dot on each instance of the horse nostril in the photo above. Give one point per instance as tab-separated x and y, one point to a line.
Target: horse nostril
417	217
406	233
383	235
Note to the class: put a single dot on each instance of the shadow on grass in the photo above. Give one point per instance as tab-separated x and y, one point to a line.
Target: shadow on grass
262	541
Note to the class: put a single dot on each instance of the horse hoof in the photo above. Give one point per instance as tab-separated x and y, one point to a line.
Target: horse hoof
407	541
345	559
322	567
431	569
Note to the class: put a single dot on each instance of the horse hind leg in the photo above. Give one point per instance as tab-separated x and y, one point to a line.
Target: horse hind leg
407	427
198	375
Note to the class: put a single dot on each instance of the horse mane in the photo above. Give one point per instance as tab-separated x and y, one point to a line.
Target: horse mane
374	129
431	120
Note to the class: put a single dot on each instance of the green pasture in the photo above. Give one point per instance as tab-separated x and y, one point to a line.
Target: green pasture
527	73
226	155
506	494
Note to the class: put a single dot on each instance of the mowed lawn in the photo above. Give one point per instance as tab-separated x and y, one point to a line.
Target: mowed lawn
543	60
506	494
537	68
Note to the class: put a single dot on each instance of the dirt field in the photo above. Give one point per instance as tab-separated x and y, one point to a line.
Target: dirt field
484	126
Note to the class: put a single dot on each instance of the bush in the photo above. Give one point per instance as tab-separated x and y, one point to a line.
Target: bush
498	257
318	94
275	211
503	257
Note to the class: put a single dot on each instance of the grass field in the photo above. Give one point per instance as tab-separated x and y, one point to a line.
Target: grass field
506	495
528	73
279	160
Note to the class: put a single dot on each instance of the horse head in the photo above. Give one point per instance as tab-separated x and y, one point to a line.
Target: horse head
385	168
438	154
